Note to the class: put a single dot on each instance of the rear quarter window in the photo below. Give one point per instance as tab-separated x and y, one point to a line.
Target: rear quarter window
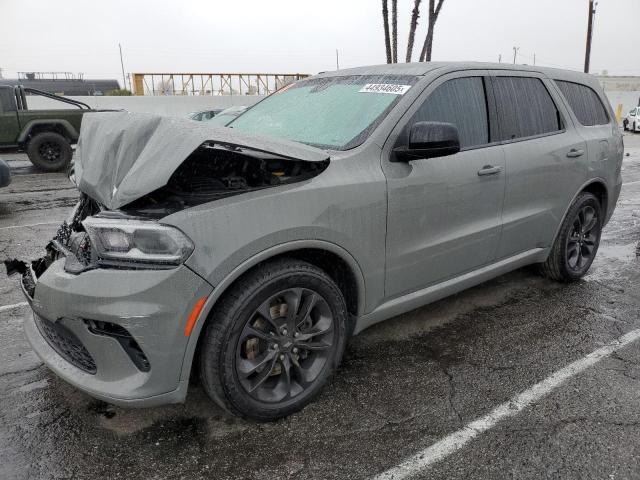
585	103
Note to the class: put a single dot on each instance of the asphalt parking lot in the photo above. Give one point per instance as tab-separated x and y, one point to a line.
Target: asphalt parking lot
415	382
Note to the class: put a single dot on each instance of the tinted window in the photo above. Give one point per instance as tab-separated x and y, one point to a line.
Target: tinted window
462	102
585	103
525	108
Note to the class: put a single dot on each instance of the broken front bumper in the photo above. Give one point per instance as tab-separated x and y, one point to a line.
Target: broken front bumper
116	334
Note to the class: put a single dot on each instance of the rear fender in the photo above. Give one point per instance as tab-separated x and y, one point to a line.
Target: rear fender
48	125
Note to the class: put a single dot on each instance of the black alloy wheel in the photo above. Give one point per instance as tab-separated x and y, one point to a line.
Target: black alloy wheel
577	241
49	151
581	242
284	345
273	340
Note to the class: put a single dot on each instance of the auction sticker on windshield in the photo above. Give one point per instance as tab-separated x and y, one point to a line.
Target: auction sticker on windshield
385	88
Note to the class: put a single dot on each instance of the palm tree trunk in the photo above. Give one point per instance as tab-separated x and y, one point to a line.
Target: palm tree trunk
387	41
412	28
394	31
427	47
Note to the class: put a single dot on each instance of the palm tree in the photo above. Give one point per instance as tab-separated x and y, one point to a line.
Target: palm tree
434	11
412	28
385	20
394	31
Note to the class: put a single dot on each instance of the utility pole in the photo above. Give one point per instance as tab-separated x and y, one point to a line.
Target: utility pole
515	54
587	56
500	58
534	59
337	60
124	79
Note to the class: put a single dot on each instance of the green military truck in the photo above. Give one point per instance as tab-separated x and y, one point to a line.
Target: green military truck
45	135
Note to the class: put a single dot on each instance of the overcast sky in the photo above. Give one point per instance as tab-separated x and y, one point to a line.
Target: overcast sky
287	36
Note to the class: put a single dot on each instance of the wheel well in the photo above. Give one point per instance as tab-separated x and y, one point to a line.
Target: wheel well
331	263
49	127
337	268
334	266
600	192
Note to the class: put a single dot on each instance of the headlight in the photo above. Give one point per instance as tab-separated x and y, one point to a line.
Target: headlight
137	242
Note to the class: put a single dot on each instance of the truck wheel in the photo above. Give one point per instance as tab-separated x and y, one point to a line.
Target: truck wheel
49	151
273	340
577	242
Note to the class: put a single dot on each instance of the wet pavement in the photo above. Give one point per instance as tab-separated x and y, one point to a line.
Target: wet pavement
404	384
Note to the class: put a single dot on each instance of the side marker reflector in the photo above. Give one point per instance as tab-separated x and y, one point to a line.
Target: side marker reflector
193	316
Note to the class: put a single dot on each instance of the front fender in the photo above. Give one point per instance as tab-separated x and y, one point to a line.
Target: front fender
245	266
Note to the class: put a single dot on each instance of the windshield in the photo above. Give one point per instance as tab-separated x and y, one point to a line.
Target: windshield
335	113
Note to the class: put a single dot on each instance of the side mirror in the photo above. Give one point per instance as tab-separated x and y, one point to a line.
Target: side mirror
429	140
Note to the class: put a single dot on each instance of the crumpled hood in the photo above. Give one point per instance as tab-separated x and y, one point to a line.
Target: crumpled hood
122	156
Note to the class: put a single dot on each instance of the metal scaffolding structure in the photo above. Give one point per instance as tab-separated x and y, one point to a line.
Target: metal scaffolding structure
211	83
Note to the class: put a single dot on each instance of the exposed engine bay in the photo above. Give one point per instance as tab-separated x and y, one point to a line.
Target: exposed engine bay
215	171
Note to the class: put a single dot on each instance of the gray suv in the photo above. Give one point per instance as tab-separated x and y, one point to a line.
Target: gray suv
249	254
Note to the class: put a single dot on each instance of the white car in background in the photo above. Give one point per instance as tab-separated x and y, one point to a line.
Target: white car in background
632	120
227	115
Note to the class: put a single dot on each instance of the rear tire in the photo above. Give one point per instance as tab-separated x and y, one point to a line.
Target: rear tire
259	362
49	151
577	242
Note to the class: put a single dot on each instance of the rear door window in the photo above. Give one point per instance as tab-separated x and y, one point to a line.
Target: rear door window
525	108
462	102
585	103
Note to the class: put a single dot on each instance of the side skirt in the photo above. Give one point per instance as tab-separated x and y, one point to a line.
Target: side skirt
419	298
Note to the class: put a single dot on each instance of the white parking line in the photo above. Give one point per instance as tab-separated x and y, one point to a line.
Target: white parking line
31	225
456	440
631	183
6	308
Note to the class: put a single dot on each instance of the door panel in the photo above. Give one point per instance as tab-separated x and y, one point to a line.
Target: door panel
541	180
444	218
9	125
543	154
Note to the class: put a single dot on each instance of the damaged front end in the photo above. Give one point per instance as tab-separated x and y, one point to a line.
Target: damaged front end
71	242
132	170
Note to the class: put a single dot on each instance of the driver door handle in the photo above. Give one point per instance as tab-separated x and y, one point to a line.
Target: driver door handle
573	153
489	170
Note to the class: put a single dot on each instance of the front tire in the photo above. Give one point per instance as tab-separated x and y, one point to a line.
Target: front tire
49	151
273	340
577	242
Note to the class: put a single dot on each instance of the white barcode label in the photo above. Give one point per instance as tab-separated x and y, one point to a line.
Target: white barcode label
385	88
